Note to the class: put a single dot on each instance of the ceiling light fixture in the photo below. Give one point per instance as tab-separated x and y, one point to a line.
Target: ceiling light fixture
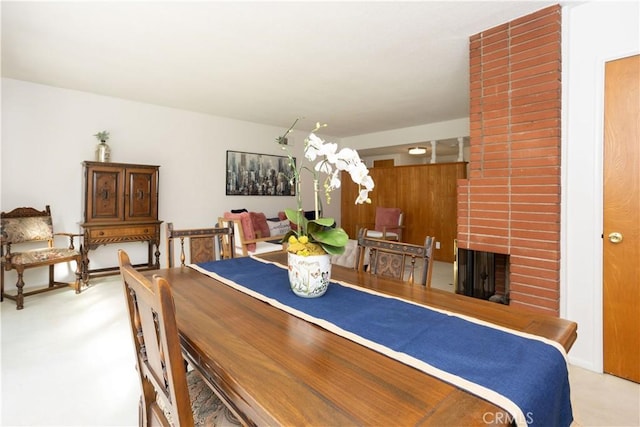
416	151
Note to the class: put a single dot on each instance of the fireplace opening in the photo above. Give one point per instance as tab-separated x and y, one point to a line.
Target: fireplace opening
483	275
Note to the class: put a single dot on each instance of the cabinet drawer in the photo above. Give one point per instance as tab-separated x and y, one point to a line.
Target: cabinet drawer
129	232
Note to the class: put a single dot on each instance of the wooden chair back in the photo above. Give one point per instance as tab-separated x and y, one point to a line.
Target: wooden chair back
159	359
396	259
389	224
205	244
389	220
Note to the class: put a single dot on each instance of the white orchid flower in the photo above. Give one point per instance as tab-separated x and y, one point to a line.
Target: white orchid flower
363	197
323	166
314	145
328	149
344	158
358	172
349	155
367	182
335	179
331	162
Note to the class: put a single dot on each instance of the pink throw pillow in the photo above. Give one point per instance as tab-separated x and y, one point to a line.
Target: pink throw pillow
260	226
247	227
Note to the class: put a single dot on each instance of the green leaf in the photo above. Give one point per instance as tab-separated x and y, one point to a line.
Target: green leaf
333	250
329	236
327	222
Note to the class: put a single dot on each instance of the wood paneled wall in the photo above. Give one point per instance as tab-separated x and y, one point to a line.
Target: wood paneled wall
425	193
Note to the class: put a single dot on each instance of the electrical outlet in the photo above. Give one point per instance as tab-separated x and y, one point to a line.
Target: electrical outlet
437	245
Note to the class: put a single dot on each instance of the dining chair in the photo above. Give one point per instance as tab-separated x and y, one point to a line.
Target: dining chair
171	395
205	244
398	260
389	223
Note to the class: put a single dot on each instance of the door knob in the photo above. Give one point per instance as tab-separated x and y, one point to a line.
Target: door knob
615	237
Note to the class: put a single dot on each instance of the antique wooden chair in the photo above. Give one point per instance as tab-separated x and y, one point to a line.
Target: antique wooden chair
396	259
205	244
389	223
168	391
28	227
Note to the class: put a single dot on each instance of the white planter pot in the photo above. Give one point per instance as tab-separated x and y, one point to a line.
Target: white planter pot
309	275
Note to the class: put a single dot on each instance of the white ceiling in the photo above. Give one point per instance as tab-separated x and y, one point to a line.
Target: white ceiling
362	67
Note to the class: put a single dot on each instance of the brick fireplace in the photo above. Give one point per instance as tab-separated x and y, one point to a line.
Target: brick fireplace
510	203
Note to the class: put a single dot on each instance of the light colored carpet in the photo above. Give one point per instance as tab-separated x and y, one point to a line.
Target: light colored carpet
67	360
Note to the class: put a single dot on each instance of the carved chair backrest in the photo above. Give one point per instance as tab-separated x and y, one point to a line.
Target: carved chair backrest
204	243
23	225
157	347
397	260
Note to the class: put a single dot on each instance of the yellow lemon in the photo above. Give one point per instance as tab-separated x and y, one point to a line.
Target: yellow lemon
292	240
303	239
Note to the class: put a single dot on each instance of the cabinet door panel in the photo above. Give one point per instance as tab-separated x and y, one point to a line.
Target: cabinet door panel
105	203
141	195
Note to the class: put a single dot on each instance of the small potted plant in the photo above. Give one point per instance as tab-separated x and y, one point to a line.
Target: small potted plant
103	151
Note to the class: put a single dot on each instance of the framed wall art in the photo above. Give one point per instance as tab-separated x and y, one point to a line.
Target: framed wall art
252	174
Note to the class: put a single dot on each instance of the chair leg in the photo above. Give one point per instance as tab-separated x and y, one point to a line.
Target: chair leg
19	295
78	275
51	276
85	265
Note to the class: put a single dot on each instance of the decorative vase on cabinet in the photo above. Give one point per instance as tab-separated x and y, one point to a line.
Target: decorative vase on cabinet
103	152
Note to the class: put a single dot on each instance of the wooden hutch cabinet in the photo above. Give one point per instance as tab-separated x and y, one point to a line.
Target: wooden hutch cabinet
120	205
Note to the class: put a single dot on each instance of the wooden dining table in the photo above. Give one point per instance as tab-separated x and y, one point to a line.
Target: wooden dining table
272	368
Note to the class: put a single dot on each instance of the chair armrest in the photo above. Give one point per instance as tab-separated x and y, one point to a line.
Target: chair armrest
367	225
70	236
391	227
263	239
5	256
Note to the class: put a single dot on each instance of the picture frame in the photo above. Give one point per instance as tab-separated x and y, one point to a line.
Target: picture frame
254	174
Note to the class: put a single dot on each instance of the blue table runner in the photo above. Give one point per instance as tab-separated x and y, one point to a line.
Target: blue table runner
525	375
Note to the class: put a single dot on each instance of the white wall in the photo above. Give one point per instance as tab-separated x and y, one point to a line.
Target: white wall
411	135
47	132
407	159
593	33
